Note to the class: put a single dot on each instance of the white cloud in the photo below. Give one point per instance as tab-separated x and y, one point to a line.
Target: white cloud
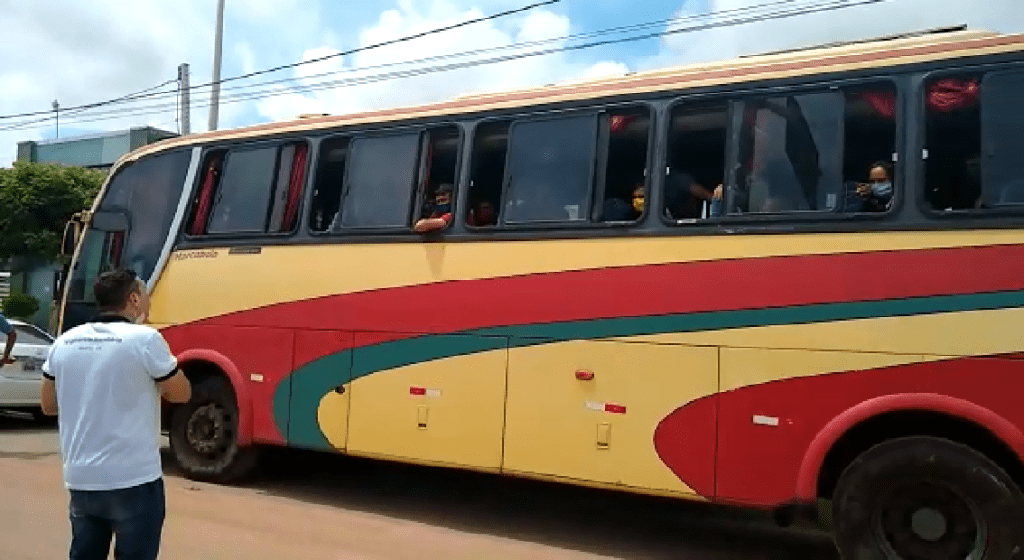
410	18
848	24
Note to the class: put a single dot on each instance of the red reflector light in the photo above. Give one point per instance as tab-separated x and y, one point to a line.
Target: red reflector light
614	408
419	391
584	375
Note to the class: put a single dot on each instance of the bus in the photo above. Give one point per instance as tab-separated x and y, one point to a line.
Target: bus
770	282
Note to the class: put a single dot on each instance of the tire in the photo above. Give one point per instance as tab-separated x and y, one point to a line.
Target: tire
204	435
927	498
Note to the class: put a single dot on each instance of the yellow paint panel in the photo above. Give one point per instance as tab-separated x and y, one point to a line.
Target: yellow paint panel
554	421
209	279
332	417
741	367
972	333
463	411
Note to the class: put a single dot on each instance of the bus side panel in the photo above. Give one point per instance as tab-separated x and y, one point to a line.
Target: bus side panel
317	418
588	410
263	356
438	399
765	430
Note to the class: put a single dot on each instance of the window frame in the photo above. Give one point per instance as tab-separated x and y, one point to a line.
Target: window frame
352	136
506	182
469	174
921	112
597	111
227	148
315	168
420	187
735	98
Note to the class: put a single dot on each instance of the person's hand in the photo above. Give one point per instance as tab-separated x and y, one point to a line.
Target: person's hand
863	190
6	361
717	195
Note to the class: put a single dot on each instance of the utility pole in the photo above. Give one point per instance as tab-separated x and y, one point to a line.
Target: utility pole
215	95
183	87
56	109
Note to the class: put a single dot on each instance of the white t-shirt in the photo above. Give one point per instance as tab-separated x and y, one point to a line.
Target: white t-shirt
109	403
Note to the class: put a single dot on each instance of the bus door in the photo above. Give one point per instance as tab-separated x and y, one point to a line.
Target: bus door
589	410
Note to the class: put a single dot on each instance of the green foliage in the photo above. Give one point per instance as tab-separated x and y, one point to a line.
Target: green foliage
20	306
36	200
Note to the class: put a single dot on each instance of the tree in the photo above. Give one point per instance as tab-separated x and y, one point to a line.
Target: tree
36	200
19	306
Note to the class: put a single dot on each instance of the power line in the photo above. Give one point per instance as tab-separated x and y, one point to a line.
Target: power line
620	29
123	98
412	72
613	30
311	61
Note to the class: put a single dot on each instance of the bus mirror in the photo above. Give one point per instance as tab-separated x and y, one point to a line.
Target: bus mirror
110	221
70	239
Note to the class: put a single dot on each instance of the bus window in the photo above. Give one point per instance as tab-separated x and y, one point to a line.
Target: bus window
212	167
245	191
551	170
953	142
973	152
790	154
379	183
487	172
291	176
1002	122
869	146
696	160
330	178
438	170
624	137
250	190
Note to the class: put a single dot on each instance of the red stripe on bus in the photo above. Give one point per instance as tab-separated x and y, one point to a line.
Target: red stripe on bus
734	284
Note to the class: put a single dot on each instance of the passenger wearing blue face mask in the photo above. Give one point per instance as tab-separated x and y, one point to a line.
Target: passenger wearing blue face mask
437	214
877	193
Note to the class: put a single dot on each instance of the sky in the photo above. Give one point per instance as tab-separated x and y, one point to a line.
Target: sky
85	51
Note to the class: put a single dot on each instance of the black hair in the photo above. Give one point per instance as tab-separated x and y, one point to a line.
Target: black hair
112	288
885	166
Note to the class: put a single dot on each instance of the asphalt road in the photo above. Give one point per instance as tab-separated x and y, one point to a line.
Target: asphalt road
318	506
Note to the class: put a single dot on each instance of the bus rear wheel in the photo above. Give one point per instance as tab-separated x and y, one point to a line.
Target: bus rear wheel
204	435
927	498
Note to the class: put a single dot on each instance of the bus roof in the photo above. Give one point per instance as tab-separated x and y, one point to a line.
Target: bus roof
863	55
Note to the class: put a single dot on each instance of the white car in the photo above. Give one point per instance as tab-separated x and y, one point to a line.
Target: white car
20	382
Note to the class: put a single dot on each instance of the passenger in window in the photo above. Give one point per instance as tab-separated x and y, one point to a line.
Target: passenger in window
685	198
618	210
482	214
688	199
437	214
877	192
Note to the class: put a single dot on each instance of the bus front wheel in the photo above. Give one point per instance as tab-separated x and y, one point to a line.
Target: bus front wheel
926	497
204	435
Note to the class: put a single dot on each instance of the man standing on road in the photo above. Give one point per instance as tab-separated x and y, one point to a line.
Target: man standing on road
104	380
12	335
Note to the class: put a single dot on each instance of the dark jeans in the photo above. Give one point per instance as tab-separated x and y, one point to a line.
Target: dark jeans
135	515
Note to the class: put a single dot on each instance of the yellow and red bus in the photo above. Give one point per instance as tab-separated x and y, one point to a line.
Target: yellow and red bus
760	282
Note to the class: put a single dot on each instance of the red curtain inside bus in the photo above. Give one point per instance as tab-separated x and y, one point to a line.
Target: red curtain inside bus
291	209
951	94
198	225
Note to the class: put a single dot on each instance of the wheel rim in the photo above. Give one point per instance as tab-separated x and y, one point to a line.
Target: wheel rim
924	520
209	430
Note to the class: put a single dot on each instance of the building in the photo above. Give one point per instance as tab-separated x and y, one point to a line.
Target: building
97	151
